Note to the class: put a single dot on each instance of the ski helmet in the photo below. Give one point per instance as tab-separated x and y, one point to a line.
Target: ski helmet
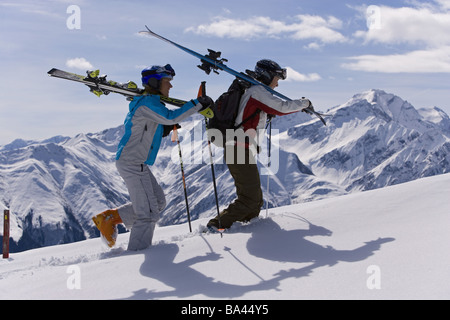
152	76
266	70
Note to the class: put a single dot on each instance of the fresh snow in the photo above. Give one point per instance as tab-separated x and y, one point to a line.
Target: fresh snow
389	243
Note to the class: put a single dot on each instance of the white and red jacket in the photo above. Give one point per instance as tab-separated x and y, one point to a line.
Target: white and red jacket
258	98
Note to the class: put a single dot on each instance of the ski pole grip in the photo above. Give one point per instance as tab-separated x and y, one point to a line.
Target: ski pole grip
202	90
174	133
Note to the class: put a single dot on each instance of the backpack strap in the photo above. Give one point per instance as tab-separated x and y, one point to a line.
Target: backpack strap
257	111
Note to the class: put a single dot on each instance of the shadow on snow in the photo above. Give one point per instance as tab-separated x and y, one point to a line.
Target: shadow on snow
268	241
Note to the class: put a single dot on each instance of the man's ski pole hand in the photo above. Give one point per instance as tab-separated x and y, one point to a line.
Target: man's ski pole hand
306	103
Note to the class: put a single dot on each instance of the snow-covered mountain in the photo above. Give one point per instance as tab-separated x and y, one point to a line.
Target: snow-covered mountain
374	140
51	187
389	243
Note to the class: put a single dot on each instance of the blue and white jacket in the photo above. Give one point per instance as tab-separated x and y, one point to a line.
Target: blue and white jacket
144	128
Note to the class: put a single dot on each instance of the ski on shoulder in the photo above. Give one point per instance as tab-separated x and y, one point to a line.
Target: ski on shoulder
99	85
213	62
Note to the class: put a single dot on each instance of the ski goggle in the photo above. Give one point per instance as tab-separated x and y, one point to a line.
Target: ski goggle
167	69
282	73
158	72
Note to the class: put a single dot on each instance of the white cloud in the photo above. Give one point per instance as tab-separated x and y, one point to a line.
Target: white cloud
424	25
79	63
307	27
313	46
420	61
316	27
420	25
293	75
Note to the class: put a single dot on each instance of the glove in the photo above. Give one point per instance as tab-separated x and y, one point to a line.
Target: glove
168	128
207	113
307	104
207	104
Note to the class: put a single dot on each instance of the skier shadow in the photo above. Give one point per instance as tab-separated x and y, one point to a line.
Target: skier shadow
292	246
182	280
268	241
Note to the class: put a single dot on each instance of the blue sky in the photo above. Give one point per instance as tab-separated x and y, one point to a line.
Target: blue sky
333	50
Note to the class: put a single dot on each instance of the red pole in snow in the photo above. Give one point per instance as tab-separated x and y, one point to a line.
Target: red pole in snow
5	234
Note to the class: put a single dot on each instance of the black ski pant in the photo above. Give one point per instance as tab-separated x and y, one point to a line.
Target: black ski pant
247	205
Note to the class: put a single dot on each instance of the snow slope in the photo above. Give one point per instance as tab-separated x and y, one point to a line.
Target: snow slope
389	243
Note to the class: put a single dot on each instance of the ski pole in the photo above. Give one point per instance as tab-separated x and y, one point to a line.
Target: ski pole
202	93
175	138
268	166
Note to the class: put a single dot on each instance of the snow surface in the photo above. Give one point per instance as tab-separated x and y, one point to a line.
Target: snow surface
389	243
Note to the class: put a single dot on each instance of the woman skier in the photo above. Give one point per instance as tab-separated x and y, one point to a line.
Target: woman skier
144	128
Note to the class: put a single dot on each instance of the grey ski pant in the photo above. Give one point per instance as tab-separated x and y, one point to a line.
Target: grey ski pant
147	201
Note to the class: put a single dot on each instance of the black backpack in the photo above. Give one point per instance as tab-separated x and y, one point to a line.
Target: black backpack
226	109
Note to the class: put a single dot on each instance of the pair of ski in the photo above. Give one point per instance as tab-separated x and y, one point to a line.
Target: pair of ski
99	85
213	62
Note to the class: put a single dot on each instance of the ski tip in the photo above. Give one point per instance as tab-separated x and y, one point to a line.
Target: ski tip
148	32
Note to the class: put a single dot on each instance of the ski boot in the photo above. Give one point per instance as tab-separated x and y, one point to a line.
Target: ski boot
107	222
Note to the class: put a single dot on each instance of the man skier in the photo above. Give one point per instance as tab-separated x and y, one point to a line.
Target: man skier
145	124
255	106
